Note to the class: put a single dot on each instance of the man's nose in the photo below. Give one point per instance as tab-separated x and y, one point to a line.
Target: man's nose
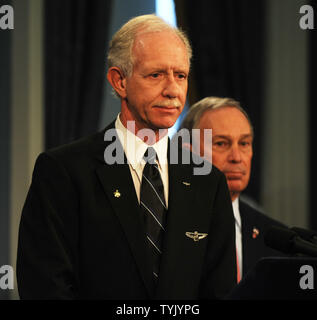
235	154
171	88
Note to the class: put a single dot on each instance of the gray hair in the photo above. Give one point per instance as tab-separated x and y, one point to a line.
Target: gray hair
120	48
192	119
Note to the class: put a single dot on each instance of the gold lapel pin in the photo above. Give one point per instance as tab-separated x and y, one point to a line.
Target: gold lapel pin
186	183
196	236
255	232
117	194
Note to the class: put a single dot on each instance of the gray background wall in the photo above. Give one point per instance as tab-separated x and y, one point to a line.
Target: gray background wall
5	99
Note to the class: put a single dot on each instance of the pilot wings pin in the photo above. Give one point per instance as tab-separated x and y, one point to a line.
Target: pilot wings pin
196	236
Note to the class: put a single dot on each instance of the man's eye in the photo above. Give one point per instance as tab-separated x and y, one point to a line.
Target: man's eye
220	143
181	76
155	75
245	143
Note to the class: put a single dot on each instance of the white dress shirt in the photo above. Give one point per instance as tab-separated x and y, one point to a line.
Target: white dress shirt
134	149
237	218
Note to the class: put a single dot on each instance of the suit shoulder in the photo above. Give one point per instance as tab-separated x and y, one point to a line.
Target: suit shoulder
259	217
77	146
74	156
84	146
200	166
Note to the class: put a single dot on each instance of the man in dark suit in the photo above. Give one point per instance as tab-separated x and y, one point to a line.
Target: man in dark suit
231	152
254	224
107	217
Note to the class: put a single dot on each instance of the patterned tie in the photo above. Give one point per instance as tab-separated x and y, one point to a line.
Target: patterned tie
152	203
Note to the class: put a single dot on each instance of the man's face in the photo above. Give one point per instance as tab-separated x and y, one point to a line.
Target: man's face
155	93
231	146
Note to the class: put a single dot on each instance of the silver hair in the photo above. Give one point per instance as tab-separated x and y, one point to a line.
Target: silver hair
120	48
195	113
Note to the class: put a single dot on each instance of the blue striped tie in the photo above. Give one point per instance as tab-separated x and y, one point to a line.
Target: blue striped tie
152	202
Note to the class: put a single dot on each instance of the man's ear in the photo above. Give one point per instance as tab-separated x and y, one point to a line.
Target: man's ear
118	81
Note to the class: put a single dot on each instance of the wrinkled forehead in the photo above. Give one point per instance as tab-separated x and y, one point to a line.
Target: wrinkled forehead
153	42
226	119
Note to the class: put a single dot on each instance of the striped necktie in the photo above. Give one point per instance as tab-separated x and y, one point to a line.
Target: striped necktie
153	207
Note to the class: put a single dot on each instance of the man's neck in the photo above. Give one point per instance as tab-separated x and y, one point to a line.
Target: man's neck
149	135
234	195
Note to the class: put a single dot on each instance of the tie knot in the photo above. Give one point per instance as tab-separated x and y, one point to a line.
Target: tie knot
150	155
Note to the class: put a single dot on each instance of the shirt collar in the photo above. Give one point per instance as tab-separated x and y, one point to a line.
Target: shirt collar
236	212
135	148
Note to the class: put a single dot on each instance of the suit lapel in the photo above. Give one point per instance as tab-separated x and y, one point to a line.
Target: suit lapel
182	257
119	189
250	249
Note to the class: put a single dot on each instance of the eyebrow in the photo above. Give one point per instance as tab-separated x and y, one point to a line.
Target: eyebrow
163	68
243	136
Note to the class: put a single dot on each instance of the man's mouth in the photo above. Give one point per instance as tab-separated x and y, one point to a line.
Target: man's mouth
166	107
168	104
234	175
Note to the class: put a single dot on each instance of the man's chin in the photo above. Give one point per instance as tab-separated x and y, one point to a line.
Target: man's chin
235	186
163	125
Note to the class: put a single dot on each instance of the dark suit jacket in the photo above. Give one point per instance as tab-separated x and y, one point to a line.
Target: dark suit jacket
253	246
77	240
